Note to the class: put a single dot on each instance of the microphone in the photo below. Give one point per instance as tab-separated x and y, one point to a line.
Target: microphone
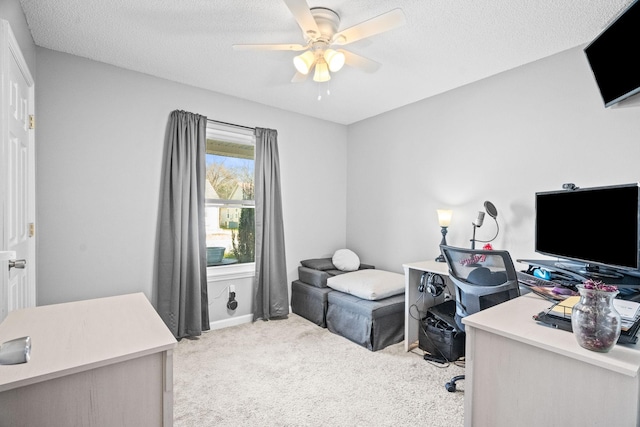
479	220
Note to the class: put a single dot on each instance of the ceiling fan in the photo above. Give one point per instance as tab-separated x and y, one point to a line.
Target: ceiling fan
320	31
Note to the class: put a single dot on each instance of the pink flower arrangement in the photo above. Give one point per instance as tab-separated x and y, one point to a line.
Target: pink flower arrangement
597	285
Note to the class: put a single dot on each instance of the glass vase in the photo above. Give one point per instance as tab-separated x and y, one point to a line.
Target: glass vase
596	323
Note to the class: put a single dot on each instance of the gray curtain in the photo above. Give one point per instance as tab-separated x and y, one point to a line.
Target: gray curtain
271	291
182	260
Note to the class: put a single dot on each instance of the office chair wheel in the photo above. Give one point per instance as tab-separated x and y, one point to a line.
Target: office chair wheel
451	385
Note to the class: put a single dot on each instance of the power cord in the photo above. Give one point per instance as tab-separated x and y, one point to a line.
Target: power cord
421	313
220	294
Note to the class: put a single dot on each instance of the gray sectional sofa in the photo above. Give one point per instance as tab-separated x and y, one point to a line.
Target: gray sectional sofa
365	306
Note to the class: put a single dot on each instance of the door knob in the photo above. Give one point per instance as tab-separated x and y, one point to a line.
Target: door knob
17	263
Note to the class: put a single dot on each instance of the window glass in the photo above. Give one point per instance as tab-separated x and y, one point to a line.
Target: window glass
229	196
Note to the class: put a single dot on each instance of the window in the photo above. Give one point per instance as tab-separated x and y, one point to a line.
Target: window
229	196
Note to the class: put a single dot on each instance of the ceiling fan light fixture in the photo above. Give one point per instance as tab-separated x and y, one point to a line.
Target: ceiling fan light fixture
304	62
319	27
322	72
335	59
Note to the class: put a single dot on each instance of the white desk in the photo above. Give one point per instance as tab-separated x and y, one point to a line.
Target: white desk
100	362
412	273
519	372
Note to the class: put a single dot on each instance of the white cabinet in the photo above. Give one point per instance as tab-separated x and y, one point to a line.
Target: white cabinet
99	362
519	372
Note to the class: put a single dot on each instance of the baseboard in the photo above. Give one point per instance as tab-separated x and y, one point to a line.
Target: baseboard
234	321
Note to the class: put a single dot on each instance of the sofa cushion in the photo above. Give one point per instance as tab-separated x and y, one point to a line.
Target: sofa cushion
310	302
313	277
346	260
321	264
368	284
371	324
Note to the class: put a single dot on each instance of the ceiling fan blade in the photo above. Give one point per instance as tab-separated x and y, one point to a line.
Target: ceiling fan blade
299	78
295	47
357	61
302	14
379	24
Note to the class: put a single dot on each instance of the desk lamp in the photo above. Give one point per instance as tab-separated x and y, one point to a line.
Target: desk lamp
493	213
444	219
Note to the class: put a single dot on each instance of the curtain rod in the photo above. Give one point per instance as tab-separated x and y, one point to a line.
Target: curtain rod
230	124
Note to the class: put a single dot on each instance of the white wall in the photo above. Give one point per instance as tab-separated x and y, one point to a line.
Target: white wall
501	139
100	139
11	11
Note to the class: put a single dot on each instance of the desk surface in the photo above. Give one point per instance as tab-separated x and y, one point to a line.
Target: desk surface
430	266
74	337
513	320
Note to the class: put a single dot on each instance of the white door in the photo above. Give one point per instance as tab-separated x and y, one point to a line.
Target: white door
17	181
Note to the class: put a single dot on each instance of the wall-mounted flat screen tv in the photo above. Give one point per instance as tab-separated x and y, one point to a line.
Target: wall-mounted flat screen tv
613	56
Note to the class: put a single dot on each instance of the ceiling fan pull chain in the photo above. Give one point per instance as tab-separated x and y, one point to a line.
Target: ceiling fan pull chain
320	90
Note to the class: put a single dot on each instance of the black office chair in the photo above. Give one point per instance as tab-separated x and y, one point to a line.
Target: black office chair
482	279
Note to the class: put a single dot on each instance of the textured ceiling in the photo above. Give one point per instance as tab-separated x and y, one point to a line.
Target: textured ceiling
444	44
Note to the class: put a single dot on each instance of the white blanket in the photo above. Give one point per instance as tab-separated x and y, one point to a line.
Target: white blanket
368	284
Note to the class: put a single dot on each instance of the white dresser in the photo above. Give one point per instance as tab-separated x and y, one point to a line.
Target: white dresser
99	362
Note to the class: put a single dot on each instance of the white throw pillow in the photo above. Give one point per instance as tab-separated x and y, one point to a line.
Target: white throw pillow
346	260
368	284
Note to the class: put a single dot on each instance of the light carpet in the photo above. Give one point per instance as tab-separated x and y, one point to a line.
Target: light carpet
291	372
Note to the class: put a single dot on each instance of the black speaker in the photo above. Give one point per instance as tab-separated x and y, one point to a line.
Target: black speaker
232	304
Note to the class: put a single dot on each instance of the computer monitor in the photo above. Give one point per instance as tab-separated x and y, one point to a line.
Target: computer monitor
596	227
